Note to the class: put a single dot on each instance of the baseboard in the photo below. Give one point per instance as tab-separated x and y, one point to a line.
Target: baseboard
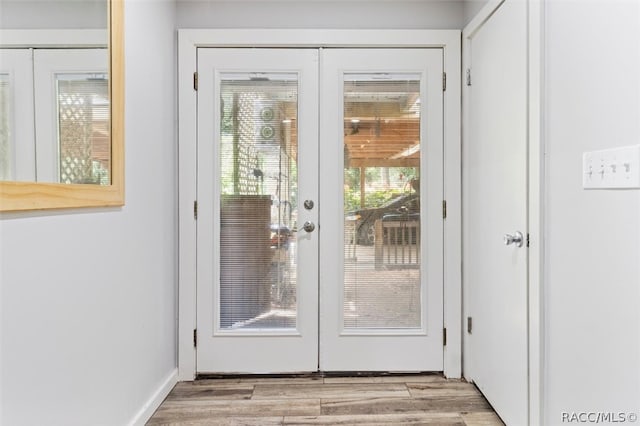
156	399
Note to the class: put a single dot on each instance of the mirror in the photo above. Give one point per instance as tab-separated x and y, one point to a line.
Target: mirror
61	104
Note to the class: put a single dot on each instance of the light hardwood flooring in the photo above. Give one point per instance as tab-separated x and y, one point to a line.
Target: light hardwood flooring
384	400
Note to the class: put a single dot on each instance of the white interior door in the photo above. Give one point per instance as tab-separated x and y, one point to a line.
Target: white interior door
381	276
496	204
257	274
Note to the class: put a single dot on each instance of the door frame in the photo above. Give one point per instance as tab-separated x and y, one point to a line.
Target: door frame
189	40
535	193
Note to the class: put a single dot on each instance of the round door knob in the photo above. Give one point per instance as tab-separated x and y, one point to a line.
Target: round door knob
309	226
517	239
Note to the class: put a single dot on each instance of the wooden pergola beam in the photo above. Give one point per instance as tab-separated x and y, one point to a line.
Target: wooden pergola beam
383	162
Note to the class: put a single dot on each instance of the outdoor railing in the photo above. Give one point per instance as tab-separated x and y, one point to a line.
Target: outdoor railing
397	242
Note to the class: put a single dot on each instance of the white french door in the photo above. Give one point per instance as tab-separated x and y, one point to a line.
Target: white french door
319	232
381	300
257	275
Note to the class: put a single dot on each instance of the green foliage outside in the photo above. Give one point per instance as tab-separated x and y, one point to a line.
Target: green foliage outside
397	179
371	198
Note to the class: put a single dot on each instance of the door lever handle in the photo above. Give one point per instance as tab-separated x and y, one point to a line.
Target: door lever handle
517	239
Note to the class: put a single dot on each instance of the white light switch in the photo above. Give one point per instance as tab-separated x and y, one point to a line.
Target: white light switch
611	168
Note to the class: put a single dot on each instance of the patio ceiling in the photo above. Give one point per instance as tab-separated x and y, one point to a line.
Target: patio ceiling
382	142
384	132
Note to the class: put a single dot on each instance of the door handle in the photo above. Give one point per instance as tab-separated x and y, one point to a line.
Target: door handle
309	226
517	239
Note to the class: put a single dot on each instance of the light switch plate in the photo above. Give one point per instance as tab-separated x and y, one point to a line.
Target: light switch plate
616	168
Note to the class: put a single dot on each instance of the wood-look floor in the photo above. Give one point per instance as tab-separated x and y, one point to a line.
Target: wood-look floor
386	400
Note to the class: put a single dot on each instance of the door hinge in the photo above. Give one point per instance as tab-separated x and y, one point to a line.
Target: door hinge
468	77
195	209
444	337
195	81
195	338
469	325
444	209
444	81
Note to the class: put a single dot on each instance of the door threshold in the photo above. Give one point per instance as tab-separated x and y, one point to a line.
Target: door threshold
316	374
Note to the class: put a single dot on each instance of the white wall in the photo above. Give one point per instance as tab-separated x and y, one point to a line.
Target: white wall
471	9
47	14
88	298
592	283
348	14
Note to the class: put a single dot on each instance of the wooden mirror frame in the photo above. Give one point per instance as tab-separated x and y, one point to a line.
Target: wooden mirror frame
20	196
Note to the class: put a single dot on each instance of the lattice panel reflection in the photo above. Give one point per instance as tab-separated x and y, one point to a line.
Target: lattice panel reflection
83	131
247	162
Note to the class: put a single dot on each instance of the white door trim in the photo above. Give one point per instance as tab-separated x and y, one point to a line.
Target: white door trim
535	13
53	38
191	39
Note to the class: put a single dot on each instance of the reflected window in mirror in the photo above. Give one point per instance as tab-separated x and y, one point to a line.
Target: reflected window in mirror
83	129
72	133
65	92
61	73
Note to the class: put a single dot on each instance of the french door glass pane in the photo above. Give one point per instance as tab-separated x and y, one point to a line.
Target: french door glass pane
258	199
5	131
84	142
382	287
